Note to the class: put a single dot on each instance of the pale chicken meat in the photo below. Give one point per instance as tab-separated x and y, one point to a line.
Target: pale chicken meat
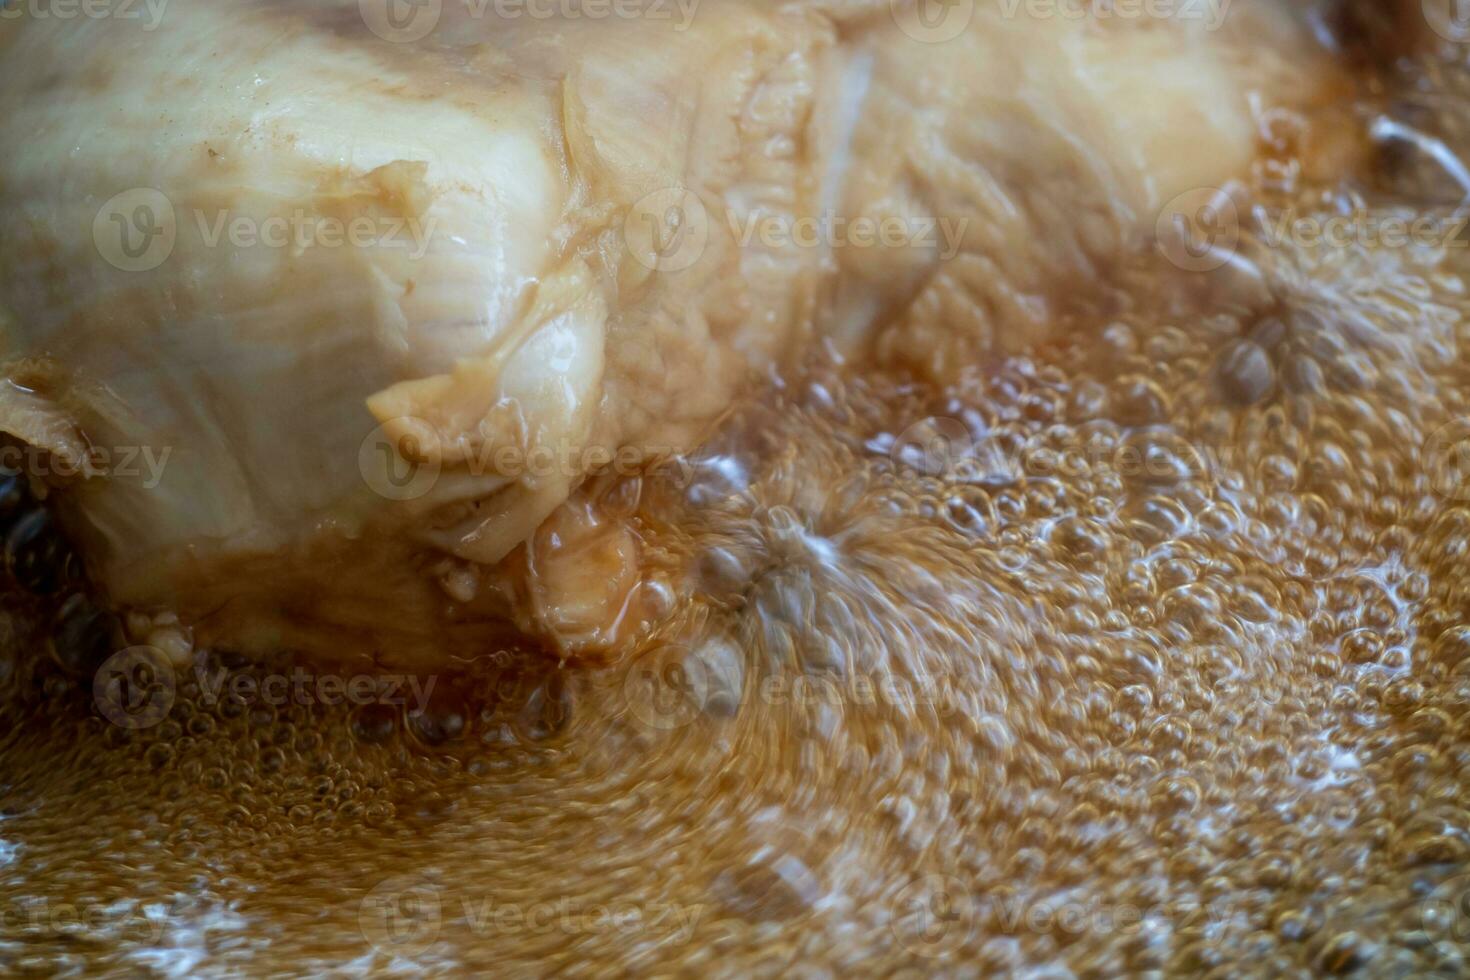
382	298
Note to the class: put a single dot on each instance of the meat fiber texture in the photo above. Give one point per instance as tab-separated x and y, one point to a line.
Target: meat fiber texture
371	284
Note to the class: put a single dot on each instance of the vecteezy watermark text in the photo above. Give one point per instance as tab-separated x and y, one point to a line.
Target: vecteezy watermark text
403	916
91	919
858	689
300	230
1203	229
136	688
934	915
1363	227
939	446
1211	12
669	687
305	688
832	230
679	12
148	13
144	463
403	458
139	229
670	229
407	21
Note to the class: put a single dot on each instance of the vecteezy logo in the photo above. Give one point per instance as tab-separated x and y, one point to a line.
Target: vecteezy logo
933	446
1450	19
667	231
932	21
399	460
931	916
1444	916
666	688
401	21
401	916
1447	459
136	230
135	688
1199	230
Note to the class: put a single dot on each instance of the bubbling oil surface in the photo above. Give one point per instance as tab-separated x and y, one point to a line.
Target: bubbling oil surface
1147	651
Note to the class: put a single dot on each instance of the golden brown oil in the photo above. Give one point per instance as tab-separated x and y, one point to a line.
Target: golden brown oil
1146	652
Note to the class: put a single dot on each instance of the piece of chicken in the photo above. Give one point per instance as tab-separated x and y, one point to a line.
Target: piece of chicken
381	285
